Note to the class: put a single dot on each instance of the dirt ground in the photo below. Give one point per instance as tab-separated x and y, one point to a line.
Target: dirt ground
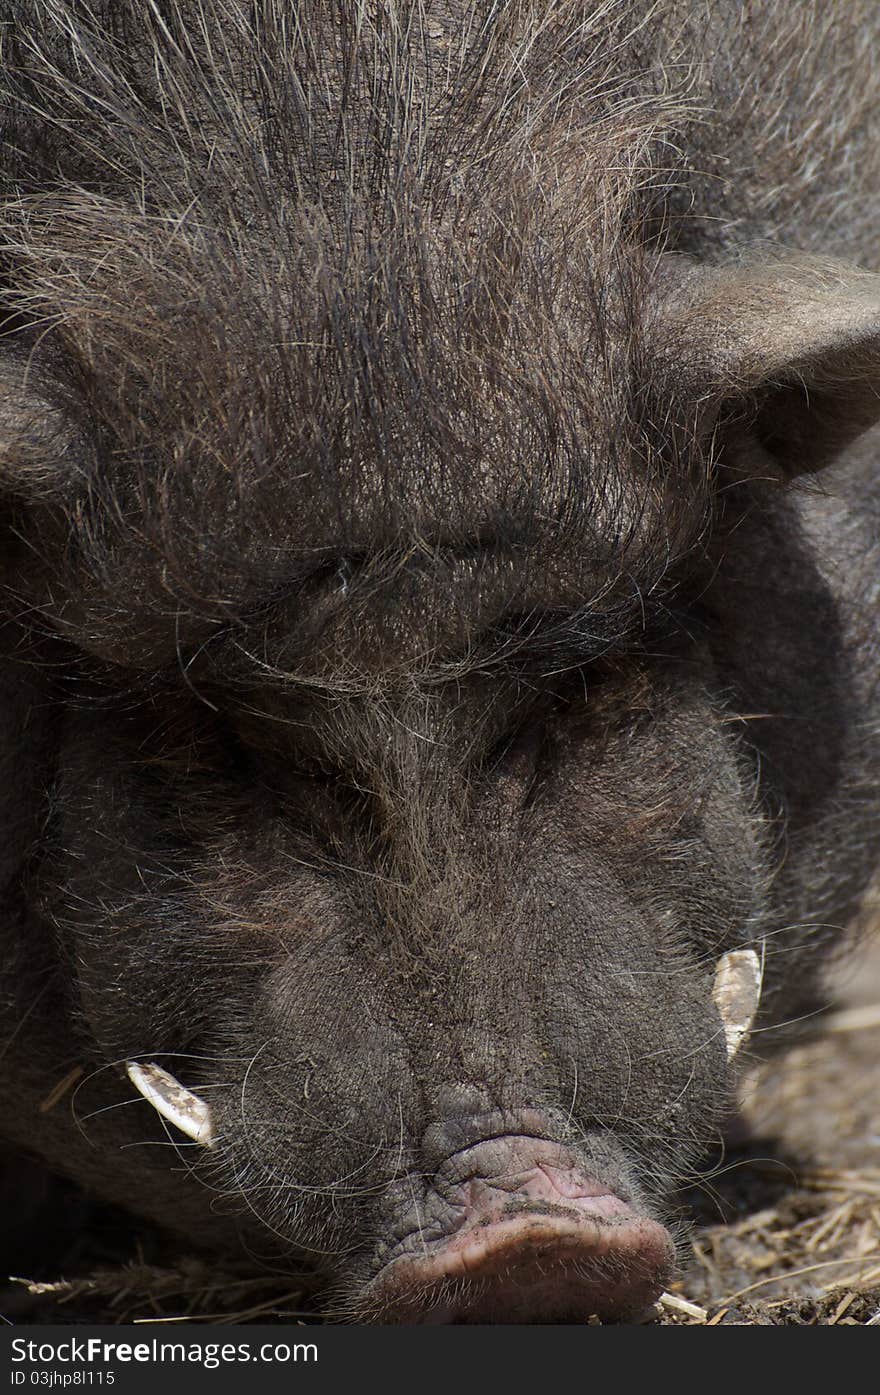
787	1226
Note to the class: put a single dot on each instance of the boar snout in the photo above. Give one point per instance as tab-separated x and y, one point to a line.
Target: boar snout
517	1228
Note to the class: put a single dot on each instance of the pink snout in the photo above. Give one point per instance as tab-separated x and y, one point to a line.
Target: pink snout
530	1238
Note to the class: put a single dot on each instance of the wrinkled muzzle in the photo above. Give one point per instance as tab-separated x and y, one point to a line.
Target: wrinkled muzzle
515	1229
506	1223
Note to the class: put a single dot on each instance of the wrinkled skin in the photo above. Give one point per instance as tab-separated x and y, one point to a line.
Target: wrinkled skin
416	863
468	1013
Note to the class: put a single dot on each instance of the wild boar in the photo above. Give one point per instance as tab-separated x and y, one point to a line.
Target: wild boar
439	694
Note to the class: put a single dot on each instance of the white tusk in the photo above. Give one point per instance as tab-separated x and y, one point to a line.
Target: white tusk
736	994
175	1103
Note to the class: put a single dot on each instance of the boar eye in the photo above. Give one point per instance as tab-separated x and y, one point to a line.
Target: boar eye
548	642
183	742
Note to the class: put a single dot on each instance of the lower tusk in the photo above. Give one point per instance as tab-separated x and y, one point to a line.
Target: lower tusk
175	1103
736	994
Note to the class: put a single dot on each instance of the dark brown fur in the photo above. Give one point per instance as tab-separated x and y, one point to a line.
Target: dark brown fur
417	672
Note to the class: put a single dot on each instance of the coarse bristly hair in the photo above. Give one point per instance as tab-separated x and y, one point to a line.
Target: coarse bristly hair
302	287
416	680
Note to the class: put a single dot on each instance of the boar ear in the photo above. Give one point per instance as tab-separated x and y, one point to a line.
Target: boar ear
794	344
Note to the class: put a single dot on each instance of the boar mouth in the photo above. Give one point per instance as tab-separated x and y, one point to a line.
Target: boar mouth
540	1241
